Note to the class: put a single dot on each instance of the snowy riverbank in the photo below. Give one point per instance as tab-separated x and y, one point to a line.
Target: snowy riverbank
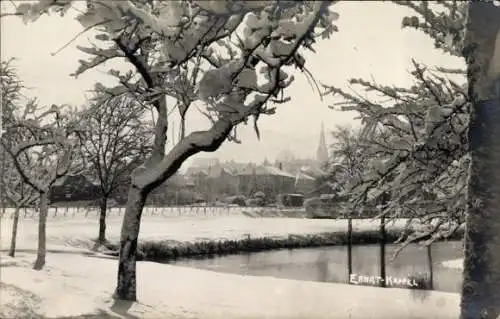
81	232
164	238
72	285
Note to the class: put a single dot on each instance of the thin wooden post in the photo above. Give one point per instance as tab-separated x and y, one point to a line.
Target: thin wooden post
430	267
383	239
349	249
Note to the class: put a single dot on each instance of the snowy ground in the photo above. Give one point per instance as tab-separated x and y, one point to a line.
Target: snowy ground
72	285
79	232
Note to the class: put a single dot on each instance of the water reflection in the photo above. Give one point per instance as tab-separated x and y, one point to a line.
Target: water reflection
329	264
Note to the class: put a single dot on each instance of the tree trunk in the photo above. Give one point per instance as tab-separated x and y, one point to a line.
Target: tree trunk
157	170
42	226
126	286
12	250
481	275
102	220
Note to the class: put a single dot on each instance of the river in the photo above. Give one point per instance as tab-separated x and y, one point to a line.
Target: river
329	264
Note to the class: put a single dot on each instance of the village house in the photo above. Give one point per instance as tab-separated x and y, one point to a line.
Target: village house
214	181
270	180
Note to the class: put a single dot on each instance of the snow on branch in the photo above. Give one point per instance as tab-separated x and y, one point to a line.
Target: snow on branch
15	189
231	104
443	21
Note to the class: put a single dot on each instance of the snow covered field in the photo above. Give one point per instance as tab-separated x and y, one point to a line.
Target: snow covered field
80	231
72	285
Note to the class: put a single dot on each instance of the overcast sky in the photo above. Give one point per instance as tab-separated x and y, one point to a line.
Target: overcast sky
370	42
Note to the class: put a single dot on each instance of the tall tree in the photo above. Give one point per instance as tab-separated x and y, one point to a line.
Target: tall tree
116	140
44	136
481	284
208	51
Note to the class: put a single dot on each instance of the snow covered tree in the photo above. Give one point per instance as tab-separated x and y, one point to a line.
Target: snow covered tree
115	139
472	31
40	144
414	140
433	144
228	56
14	189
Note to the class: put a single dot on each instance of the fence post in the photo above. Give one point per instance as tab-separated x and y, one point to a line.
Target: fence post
349	249
430	266
382	250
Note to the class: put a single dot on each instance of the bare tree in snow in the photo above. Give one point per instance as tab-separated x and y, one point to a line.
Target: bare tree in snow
208	52
115	139
348	156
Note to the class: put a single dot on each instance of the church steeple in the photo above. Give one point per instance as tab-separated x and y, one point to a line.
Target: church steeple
322	152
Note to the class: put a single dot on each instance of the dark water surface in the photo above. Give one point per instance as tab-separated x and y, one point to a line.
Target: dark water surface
329	264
